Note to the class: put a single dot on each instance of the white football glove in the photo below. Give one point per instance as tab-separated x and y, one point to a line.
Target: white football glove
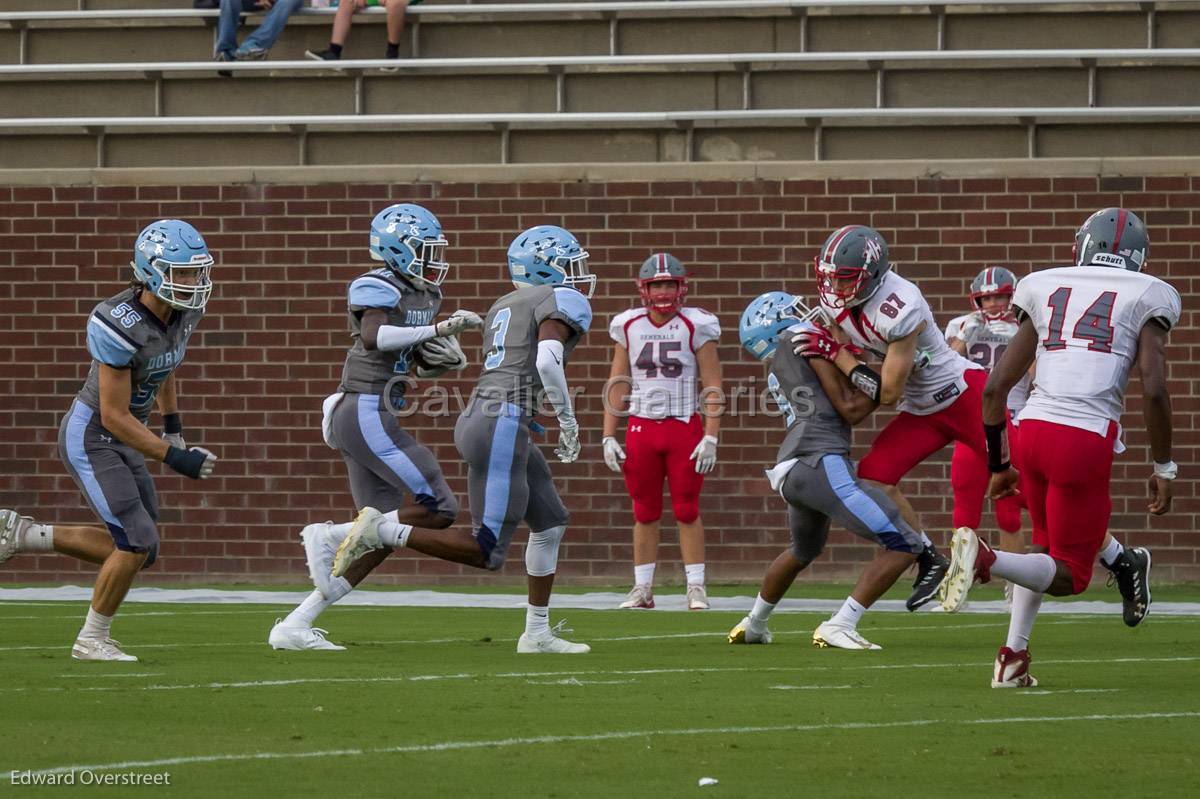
459	321
175	440
443	351
614	456
972	328
568	443
705	455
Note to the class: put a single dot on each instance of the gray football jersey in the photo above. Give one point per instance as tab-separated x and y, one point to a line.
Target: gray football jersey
124	334
369	371
813	424
510	338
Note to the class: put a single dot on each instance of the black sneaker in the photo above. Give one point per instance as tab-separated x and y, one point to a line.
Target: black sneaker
224	57
931	570
322	55
1131	570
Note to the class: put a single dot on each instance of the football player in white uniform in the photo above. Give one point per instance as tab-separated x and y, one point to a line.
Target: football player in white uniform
660	351
937	391
982	336
1085	326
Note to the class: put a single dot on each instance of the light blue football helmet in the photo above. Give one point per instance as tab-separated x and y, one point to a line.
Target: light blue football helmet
547	255
171	258
767	317
408	238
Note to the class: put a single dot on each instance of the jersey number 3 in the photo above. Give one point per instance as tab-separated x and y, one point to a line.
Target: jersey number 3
495	355
1094	326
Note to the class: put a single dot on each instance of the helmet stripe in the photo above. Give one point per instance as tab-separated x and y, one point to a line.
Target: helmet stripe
837	239
1120	228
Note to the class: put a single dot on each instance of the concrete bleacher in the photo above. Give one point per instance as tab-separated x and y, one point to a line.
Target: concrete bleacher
681	81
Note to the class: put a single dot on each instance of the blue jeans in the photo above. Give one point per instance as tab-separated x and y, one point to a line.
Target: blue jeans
264	35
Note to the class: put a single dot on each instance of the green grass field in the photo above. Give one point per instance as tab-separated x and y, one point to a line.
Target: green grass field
436	702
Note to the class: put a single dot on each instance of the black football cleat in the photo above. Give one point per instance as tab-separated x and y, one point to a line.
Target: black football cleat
1131	571
931	570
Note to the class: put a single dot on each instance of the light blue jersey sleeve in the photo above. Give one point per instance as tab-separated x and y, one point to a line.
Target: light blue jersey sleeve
573	307
373	292
107	345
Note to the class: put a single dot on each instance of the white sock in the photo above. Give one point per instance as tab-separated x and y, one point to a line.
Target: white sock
37	538
314	604
1110	553
97	626
695	573
537	621
925	539
849	613
394	534
1024	611
1033	570
644	574
762	611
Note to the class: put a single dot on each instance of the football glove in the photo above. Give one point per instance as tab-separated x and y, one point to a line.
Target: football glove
459	321
705	455
196	462
568	443
816	343
972	328
614	456
443	351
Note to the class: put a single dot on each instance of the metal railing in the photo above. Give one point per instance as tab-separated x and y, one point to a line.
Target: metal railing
814	119
613	12
745	64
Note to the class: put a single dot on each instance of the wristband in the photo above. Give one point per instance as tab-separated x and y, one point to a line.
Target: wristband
1166	471
172	424
997	447
867	380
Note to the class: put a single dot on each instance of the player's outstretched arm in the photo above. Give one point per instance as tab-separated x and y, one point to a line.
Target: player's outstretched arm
852	404
1156	410
1008	371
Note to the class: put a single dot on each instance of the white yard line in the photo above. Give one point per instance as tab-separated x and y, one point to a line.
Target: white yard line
616	735
809	687
1045	691
218	686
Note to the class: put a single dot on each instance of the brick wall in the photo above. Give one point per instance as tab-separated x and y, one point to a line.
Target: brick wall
272	344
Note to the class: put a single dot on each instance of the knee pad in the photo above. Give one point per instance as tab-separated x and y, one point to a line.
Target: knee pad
541	553
686	511
647	512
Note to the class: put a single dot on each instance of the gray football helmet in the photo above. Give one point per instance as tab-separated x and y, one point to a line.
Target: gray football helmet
856	253
1112	237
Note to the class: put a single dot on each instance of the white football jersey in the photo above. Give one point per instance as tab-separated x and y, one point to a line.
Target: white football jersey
1088	320
895	310
986	348
662	359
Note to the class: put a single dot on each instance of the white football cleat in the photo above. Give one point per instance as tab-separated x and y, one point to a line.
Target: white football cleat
362	538
320	545
841	637
743	633
12	525
697	597
970	562
549	644
100	649
286	636
642	596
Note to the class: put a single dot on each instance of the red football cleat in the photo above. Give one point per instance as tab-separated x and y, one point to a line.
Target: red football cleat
1012	669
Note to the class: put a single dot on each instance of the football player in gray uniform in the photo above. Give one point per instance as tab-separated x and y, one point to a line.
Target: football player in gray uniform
391	313
136	339
814	475
529	335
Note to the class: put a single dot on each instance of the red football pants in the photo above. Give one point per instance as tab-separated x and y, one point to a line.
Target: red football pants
969	477
658	449
909	439
1064	477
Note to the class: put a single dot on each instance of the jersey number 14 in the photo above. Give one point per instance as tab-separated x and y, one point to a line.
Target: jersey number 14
1094	326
